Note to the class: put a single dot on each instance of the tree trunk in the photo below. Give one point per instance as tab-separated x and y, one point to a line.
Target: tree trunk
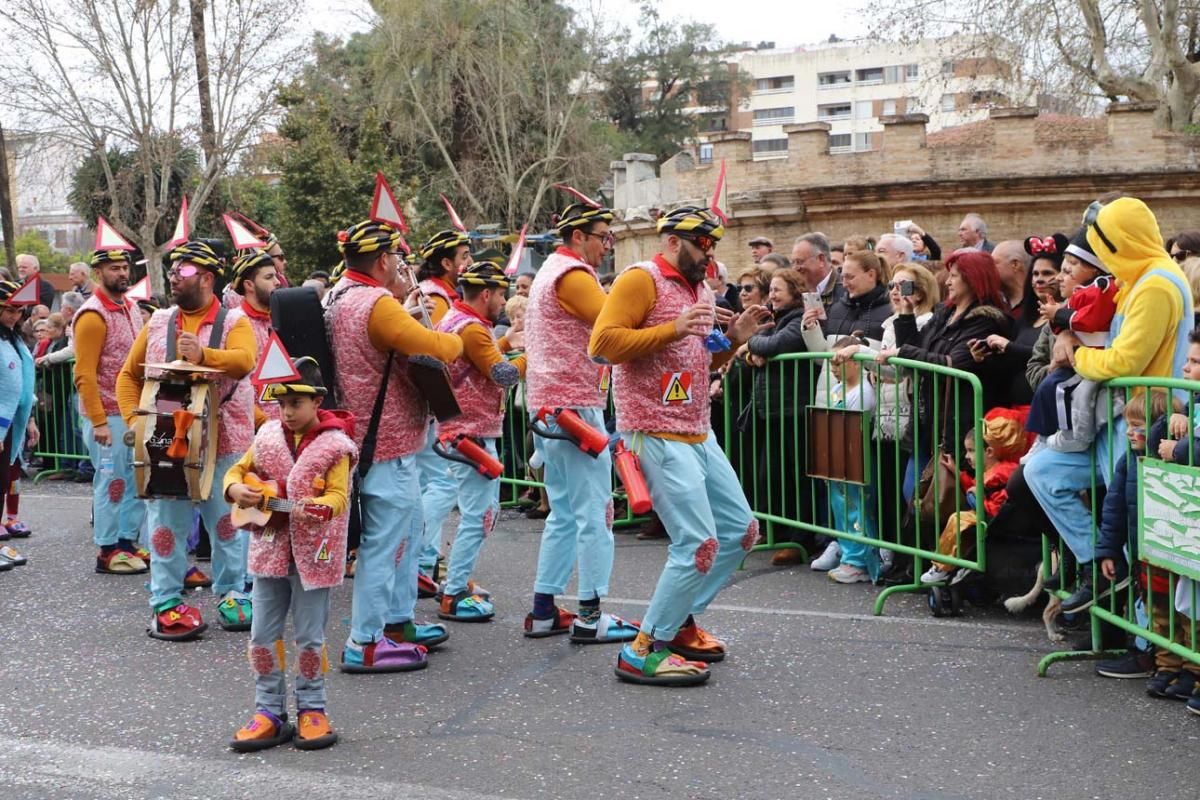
6	208
208	128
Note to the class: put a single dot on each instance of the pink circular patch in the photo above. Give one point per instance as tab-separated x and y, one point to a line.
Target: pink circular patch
751	536
609	514
400	551
225	529
116	490
489	521
310	662
262	660
705	554
163	542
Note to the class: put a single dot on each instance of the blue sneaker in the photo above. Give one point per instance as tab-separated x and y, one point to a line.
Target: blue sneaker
609	628
429	636
1159	683
466	607
659	667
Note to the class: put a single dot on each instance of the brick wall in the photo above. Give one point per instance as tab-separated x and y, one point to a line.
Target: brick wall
1023	172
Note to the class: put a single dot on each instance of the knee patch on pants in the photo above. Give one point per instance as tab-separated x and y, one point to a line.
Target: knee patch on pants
313	661
265	660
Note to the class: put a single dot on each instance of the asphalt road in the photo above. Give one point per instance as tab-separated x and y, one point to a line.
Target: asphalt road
817	699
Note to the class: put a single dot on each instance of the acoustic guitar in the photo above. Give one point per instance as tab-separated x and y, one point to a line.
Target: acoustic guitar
259	516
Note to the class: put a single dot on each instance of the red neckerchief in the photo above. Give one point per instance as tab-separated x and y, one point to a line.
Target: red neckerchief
563	250
359	277
466	309
449	289
209	318
254	313
111	304
671	273
325	421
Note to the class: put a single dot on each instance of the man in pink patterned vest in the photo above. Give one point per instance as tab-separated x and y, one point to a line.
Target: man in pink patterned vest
105	327
481	378
657	328
200	330
564	301
373	339
255	279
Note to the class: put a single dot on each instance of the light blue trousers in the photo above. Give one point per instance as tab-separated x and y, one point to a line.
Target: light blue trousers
171	522
118	511
700	502
579	528
385	579
439	494
854	512
273	598
479	508
1057	479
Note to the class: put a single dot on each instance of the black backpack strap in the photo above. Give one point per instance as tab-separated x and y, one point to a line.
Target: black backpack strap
214	335
172	323
367	453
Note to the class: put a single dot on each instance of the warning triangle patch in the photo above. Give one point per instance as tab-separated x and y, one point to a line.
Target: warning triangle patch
107	237
384	207
28	294
323	552
140	290
676	388
243	239
274	364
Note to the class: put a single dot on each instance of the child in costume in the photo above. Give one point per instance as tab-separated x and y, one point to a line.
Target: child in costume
295	558
1004	442
853	505
1063	412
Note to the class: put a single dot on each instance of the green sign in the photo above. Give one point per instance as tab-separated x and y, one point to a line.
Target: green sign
1169	516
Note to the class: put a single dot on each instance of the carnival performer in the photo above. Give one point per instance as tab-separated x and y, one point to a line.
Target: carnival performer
17	425
197	329
564	301
232	295
481	378
657	329
105	327
296	558
373	338
444	256
254	280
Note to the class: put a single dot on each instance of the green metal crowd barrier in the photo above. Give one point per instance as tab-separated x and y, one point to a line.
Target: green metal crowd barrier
61	449
793	448
1166	536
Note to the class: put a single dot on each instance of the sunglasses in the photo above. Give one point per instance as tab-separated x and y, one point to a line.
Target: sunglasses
186	271
1182	256
747	287
704	243
1089	219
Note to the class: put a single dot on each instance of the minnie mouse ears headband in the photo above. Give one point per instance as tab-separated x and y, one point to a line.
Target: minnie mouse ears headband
1053	246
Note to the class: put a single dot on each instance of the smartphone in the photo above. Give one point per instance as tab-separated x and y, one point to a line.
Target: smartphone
900	227
813	300
906	288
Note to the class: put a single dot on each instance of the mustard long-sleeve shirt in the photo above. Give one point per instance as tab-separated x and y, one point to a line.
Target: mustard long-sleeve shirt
90	333
337	480
390	327
580	295
236	360
484	352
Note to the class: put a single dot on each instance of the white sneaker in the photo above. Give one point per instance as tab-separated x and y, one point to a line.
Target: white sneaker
848	574
887	560
935	575
828	559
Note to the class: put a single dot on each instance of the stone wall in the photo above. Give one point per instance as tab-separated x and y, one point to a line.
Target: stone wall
1024	173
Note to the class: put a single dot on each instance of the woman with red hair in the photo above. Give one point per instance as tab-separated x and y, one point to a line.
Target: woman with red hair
956	337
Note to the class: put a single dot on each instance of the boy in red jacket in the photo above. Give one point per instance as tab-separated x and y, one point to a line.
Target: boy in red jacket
296	556
1004	442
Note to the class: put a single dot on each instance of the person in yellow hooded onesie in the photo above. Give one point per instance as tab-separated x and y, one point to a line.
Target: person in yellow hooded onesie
1148	338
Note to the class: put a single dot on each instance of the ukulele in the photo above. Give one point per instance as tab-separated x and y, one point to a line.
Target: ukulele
259	516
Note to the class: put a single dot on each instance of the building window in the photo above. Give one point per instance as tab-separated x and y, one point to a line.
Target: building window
889	108
862	141
713	93
947	67
832	80
864	109
777	84
948	102
870	75
910	72
765	146
711	123
774	116
834	111
60	239
706	151
840	142
912	105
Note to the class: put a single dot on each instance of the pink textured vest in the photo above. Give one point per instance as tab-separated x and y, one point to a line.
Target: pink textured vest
121	326
262	332
235	416
666	392
479	397
360	368
559	372
432	288
317	548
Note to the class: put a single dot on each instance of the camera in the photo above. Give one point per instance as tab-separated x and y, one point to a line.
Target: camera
906	288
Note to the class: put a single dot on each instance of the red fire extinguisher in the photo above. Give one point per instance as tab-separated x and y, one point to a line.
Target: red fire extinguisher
467	451
585	437
629	469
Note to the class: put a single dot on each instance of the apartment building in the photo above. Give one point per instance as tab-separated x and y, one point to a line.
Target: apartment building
851	84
